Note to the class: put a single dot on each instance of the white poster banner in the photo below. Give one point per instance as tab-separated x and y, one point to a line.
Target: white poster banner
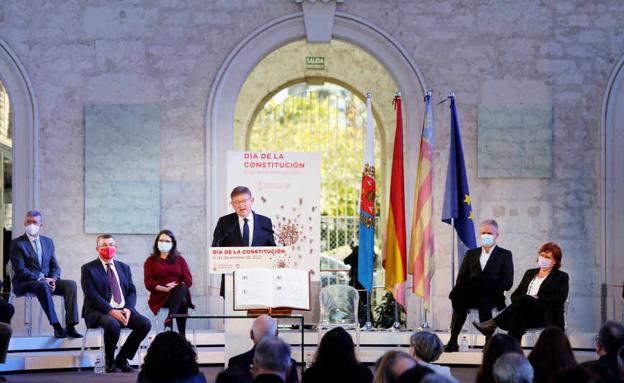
286	188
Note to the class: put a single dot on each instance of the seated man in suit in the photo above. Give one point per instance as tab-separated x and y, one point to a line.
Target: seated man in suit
109	302
243	227
485	274
262	327
37	272
271	362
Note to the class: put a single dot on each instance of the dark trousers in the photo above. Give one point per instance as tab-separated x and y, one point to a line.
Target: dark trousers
526	312
464	296
5	337
6	311
178	303
65	288
140	326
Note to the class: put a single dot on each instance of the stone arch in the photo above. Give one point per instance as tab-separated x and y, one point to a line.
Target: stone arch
271	36
612	190
268	38
25	133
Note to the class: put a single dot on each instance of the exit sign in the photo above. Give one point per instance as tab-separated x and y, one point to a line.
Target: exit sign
315	62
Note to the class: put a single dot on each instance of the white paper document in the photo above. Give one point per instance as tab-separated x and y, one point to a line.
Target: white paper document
257	288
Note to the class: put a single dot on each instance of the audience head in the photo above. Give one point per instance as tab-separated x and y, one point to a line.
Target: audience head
169	349
105	246
263	326
436	378
336	349
551	251
426	346
272	356
610	338
512	368
498	345
33	222
396	365
232	375
415	374
165	242
552	354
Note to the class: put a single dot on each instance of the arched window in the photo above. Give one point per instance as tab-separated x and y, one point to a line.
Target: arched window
332	120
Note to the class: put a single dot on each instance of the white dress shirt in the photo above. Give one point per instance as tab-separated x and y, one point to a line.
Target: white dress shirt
483	259
534	286
250	223
112	302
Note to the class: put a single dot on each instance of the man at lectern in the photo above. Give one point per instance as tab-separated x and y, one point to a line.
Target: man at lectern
243	227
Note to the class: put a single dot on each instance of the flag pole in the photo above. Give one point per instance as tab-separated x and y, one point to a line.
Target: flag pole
368	326
452	253
396	326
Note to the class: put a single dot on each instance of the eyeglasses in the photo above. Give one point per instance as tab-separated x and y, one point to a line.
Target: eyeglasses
241	202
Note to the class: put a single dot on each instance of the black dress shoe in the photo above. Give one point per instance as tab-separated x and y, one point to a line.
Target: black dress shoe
123	366
110	367
72	333
451	347
60	333
486	328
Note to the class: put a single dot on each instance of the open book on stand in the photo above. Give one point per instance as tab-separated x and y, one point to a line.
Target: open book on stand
257	288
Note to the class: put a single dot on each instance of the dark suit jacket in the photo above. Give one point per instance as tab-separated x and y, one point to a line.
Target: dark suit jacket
26	264
244	361
228	234
497	275
97	291
268	378
552	293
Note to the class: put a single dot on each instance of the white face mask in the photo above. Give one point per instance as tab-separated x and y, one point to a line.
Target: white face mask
32	230
164	247
543	263
487	240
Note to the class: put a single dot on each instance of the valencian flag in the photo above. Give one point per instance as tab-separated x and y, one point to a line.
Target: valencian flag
421	240
395	249
457	205
367	206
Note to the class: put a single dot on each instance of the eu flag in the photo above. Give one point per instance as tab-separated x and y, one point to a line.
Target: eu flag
457	205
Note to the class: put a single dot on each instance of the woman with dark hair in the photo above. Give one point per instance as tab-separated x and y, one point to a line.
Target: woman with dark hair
335	361
498	345
539	299
551	355
168	279
170	359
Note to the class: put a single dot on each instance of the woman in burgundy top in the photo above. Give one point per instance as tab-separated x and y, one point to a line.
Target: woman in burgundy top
168	279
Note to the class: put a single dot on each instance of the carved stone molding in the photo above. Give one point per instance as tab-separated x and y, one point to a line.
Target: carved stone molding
318	17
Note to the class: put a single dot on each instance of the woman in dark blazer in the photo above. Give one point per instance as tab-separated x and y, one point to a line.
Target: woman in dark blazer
539	299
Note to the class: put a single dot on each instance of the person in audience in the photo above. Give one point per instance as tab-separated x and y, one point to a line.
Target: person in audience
584	374
539	299
109	303
496	346
335	361
416	374
396	365
6	313
230	375
37	271
380	365
551	355
271	362
426	348
263	326
609	341
168	279
170	359
600	373
484	275
512	368
620	359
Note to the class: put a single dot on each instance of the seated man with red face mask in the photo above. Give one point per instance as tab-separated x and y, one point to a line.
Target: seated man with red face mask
109	303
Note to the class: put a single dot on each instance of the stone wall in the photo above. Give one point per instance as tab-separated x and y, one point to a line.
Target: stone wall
168	52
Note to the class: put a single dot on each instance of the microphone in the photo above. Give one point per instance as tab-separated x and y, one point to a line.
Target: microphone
227	234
